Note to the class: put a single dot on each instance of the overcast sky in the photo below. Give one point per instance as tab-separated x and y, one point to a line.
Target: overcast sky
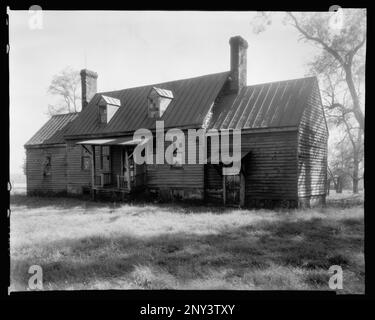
129	49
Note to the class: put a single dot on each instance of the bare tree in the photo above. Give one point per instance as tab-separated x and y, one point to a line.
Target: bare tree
341	66
65	85
339	115
340	47
342	169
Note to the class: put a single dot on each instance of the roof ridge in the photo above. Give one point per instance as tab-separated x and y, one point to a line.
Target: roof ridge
165	82
272	82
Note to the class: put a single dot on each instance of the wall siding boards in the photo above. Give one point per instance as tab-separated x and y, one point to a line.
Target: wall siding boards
271	167
37	183
78	179
312	151
186	181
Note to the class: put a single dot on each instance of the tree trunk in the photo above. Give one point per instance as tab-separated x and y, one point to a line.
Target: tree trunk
339	184
355	174
356	105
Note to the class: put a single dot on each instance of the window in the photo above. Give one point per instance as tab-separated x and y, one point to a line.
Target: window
158	101
85	159
102	114
177	158
47	166
153	106
108	106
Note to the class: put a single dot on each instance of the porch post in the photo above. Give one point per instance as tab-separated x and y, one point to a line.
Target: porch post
224	190
93	172
242	188
121	176
127	169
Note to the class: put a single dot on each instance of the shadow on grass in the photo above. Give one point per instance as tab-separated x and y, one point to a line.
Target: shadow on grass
59	202
313	245
63	203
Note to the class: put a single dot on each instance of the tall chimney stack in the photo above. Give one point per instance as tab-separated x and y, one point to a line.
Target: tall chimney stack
238	63
89	86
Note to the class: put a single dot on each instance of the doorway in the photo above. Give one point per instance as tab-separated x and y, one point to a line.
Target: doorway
234	189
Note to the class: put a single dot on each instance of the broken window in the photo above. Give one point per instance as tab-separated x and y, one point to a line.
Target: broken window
108	106
158	102
102	114
177	158
47	166
85	159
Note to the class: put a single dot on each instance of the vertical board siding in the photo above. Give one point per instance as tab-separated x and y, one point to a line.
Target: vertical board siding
36	181
312	149
77	178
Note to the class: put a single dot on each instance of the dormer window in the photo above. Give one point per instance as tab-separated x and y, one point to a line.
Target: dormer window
108	106
158	101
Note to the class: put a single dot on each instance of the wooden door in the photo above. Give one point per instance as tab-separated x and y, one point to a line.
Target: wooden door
232	189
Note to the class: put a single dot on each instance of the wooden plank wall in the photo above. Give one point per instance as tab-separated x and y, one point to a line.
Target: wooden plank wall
77	178
56	182
271	168
312	149
187	180
164	176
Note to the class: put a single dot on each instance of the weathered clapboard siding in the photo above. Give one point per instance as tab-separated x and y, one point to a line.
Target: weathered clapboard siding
312	149
78	179
39	183
189	176
213	177
271	167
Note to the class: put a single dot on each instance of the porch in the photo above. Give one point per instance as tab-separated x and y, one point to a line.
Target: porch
113	169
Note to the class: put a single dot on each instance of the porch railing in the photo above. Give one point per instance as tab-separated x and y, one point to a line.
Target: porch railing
138	180
103	179
122	183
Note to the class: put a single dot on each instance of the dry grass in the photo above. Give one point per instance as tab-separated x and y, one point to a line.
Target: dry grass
88	245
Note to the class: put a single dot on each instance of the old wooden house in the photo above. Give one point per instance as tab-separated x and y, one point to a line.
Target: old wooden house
283	140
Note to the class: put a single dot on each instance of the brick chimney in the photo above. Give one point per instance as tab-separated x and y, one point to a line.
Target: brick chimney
238	63
89	86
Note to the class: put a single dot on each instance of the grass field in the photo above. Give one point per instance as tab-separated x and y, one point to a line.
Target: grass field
90	245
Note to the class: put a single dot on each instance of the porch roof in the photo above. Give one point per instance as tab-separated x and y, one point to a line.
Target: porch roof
125	141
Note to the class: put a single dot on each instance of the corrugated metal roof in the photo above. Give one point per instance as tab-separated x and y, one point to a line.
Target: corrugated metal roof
192	100
114	141
164	93
274	104
53	130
